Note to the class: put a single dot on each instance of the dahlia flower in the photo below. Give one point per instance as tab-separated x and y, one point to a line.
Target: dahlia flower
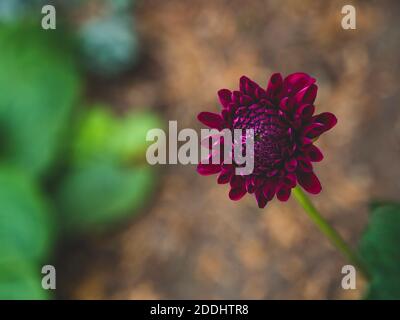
285	129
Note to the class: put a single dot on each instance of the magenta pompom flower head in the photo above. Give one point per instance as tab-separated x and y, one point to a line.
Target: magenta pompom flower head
285	128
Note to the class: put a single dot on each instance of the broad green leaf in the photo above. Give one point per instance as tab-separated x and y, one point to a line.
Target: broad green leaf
101	194
21	280
39	85
26	226
380	249
104	137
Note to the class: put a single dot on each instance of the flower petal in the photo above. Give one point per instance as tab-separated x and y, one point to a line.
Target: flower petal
237	181
226	115
305	141
250	186
247	86
305	111
236	194
224	96
290	180
212	120
236	97
274	85
284	104
245	100
314	154
269	189
259	93
326	120
208	169
224	176
309	181
291	165
306	95
304	164
283	193
313	130
294	82
261	199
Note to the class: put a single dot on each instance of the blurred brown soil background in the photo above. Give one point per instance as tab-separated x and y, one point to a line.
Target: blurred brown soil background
192	242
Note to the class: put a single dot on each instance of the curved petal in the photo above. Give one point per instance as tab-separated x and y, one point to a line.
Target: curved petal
274	85
284	104
250	185
238	181
245	100
269	189
313	130
290	180
306	95
259	93
224	176
236	194
294	82
208	169
226	115
261	199
236	97
304	164
291	165
314	154
225	97
212	120
305	111
309	181
247	86
325	120
283	193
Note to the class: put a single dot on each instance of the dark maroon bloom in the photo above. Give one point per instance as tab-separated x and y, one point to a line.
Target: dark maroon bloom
285	127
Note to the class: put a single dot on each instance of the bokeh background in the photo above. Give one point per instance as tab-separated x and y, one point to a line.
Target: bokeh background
122	230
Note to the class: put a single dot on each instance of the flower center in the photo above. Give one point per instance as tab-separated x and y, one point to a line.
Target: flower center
272	138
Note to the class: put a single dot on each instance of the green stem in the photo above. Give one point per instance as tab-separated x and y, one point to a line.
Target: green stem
329	231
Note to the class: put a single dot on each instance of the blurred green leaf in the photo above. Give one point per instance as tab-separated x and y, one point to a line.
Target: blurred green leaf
129	141
103	137
92	142
38	87
100	194
21	280
379	247
384	287
26	226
